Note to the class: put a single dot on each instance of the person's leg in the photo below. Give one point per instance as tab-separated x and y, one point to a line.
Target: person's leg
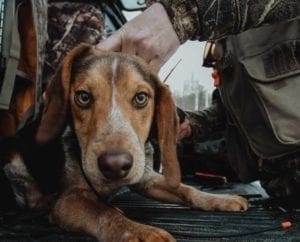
281	177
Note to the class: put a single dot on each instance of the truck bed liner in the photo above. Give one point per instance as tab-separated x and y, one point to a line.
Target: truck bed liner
260	223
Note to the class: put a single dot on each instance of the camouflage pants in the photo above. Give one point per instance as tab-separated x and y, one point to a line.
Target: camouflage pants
281	177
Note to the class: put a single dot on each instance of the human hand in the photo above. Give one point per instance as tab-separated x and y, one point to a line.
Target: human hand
150	36
185	129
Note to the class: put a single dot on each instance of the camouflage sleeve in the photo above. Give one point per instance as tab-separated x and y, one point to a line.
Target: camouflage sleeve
212	19
208	121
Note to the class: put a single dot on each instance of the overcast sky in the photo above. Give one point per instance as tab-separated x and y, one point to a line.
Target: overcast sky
189	68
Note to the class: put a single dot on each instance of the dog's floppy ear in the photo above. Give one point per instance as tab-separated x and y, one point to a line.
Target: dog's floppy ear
167	124
56	99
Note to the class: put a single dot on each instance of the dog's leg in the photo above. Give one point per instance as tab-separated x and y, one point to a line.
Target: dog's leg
155	186
79	210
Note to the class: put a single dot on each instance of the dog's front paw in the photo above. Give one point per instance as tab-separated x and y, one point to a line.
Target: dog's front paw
145	233
228	203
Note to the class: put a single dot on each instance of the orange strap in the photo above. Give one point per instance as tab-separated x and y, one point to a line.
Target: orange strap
217	78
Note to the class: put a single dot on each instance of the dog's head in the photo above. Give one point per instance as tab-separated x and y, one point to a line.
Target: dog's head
112	100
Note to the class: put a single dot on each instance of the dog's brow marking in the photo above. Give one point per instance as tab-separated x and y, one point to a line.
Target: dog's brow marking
115	113
114	67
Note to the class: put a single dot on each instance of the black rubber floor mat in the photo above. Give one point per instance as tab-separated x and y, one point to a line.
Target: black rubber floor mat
260	223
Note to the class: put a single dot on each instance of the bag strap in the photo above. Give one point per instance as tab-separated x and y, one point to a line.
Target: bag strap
11	51
39	13
8	18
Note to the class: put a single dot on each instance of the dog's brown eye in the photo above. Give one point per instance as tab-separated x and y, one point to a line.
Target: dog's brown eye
83	99
140	100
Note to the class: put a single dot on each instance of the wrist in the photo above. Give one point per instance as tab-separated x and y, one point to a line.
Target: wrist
184	17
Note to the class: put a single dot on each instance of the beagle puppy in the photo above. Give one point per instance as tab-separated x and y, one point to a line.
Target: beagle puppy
102	106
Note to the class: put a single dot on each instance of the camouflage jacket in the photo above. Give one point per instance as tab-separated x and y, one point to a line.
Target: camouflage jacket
212	19
70	23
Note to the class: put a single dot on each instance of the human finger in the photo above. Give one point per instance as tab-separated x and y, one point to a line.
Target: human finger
112	43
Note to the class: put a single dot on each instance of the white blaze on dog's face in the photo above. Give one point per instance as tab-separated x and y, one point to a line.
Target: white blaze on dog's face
112	102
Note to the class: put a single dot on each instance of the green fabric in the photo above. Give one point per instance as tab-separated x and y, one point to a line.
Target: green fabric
8	18
12	57
261	86
40	13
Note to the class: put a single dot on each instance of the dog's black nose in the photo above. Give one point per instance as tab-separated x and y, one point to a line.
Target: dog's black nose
115	164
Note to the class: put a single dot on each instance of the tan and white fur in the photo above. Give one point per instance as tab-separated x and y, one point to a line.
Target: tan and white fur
104	106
